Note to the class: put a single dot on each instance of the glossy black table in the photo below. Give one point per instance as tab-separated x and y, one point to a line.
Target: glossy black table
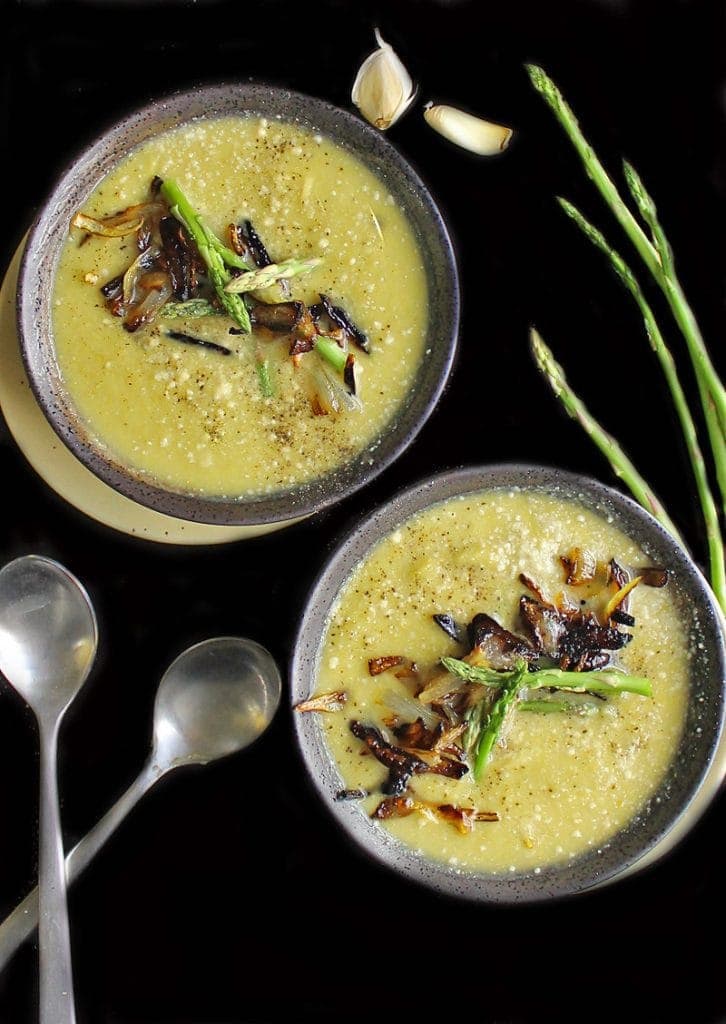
201	907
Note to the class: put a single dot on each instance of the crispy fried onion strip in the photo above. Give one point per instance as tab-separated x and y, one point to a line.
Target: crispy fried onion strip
462	818
333	701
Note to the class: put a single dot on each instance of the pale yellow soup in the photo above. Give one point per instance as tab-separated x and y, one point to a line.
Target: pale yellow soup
561	784
197	421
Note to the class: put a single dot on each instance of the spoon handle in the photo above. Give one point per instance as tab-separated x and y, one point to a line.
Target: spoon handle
21	923
56	977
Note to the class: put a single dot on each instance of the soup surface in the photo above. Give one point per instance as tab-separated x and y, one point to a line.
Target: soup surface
559	783
183	414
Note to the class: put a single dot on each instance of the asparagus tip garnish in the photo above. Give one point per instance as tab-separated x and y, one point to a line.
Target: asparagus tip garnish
263	277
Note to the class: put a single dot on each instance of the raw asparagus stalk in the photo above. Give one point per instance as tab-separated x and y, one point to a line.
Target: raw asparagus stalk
663	354
656	254
620	464
710	389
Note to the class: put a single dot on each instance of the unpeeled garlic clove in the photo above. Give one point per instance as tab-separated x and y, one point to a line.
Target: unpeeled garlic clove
383	89
467	130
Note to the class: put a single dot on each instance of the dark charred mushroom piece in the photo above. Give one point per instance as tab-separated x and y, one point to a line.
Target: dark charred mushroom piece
545	625
190	339
339	316
501	648
394	807
653	576
451	769
113	289
350	794
256	247
349	373
301	345
617	575
180	257
585	640
622	618
575	640
279	317
452	628
401	764
416	735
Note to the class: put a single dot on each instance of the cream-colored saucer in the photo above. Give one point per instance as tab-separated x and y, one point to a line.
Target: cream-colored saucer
63	472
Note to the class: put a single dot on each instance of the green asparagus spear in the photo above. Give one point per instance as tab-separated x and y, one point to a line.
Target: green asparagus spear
263	376
604	680
708	505
495	717
331	351
216	256
710	390
263	277
191	309
472	673
619	461
655	254
559	707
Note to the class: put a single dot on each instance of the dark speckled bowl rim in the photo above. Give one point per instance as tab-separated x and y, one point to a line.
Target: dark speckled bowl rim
345	128
688	778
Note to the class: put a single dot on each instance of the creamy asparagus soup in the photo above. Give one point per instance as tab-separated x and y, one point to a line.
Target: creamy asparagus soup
559	701
240	307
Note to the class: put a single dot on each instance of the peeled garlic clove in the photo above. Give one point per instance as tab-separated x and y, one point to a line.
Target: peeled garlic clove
383	90
466	130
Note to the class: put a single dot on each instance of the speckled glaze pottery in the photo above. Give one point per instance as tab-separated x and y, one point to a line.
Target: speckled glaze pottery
78	181
698	765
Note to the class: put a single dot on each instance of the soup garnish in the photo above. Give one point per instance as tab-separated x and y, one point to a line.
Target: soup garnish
562	663
183	271
257	392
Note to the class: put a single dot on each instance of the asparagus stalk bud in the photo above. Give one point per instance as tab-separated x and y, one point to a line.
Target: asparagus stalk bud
663	354
620	464
656	256
263	277
603	680
495	720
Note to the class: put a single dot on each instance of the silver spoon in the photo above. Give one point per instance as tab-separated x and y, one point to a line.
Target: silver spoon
213	700
48	640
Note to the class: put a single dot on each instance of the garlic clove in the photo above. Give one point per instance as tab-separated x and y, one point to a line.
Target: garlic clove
383	89
473	133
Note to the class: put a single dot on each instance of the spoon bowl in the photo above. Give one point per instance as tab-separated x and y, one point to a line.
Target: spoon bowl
48	641
48	632
216	698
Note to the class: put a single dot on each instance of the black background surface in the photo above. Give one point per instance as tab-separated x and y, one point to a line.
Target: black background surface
200	908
